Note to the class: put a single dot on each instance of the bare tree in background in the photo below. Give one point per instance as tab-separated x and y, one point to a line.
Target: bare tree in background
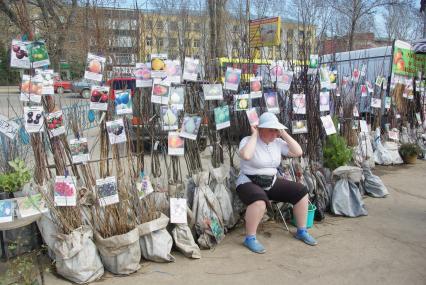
54	20
403	22
355	12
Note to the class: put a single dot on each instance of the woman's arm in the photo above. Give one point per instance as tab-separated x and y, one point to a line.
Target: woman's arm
247	151
294	148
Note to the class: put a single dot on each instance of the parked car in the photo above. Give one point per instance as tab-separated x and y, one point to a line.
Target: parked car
82	87
61	86
121	83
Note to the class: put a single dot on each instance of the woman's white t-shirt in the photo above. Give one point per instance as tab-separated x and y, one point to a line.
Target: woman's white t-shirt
265	160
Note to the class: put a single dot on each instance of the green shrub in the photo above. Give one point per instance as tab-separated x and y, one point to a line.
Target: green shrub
14	181
409	149
336	152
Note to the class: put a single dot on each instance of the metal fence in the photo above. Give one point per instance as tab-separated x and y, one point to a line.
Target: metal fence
21	147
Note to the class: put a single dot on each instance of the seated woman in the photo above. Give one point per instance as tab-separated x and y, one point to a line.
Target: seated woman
260	156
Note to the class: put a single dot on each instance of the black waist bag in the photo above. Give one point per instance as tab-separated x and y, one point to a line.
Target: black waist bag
263	181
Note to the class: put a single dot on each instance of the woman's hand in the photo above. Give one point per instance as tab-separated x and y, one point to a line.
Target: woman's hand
254	131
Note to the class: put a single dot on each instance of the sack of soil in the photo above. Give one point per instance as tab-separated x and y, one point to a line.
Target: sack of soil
76	256
184	241
155	241
120	254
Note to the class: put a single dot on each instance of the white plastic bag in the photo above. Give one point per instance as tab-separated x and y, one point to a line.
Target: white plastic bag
184	241
155	241
120	254
207	211
364	151
76	256
224	196
373	185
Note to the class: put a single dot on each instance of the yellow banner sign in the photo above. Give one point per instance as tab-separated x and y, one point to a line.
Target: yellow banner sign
265	32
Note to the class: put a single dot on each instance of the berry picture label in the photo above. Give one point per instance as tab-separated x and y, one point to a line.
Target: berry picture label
328	124
173	71
123	102
177	97
106	191
158	65
143	75
271	101
252	117
221	117
169	118
31	205
55	123
8	128
213	92
6	211
393	135
160	91
31	89
190	71
333	79
178	211
256	87
284	81
364	90
299	127
190	127
232	78
242	102
324	77
313	61
370	87
116	131
299	104
176	144
34	120
145	187
65	193
79	150
94	67
355	75
19	55
324	101
99	98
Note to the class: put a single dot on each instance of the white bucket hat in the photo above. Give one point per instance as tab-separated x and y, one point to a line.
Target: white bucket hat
268	120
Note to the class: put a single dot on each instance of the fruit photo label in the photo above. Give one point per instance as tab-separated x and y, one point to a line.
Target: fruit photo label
123	102
99	98
177	97
169	118
271	101
299	127
328	124
65	193
284	80
6	210
242	102
176	144
190	127
158	65
79	150
222	117
324	101
143	75
55	123
31	205
173	71
116	131
178	211
47	81
34	120
19	54
8	128
256	87
160	91
31	89
299	104
106	191
232	78
94	67
252	117
190	71
212	92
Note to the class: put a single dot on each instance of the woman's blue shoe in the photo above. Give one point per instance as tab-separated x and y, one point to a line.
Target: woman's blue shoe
306	238
254	245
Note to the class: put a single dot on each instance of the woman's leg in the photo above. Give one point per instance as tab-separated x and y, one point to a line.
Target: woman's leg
300	211
254	215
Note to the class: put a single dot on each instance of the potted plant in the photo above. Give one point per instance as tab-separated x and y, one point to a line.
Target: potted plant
336	152
409	152
13	181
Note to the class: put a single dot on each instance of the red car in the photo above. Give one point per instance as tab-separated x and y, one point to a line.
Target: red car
60	86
